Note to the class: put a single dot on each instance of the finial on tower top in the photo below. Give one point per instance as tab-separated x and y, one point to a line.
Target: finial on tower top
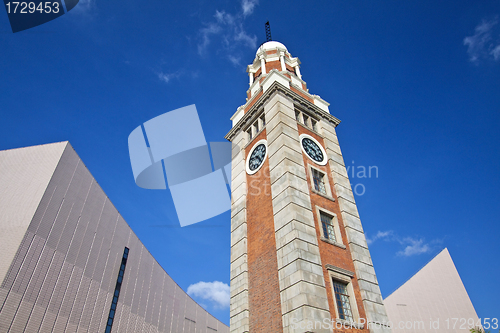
268	32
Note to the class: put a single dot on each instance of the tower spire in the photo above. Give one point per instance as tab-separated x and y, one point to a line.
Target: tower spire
268	32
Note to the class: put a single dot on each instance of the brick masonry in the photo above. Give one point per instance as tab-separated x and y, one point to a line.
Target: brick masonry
264	296
273	65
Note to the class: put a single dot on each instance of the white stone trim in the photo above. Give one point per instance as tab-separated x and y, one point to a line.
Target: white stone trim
262	65
239	309
297	70
368	285
325	157
321	103
336	227
344	278
297	100
301	279
255	88
237	116
274	75
296	82
247	162
326	179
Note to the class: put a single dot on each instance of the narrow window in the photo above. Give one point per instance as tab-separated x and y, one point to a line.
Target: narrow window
263	120
342	301
118	286
249	132
297	116
313	124
319	181
327	225
256	126
306	120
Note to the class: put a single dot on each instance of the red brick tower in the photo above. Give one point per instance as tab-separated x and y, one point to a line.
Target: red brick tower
299	258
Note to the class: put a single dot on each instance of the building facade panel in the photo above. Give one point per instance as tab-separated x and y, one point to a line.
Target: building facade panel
64	269
31	171
434	299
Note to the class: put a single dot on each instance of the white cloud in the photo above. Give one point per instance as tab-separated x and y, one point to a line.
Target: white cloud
210	29
236	61
215	292
166	77
496	52
415	246
228	29
482	44
224	18
380	235
248	6
250	41
411	245
181	73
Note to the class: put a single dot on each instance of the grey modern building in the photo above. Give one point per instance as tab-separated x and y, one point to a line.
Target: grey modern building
433	300
70	263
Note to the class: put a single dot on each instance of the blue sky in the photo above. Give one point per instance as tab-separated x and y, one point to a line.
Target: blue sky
415	83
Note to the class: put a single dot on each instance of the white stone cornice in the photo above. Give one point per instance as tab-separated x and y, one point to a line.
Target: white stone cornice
282	61
297	70
293	61
274	88
262	65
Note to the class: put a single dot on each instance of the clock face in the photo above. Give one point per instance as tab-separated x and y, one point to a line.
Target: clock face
257	157
313	150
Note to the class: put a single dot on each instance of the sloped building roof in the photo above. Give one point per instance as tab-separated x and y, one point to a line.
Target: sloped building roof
430	300
70	262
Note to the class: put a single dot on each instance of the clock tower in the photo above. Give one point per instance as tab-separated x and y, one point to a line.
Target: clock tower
299	257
